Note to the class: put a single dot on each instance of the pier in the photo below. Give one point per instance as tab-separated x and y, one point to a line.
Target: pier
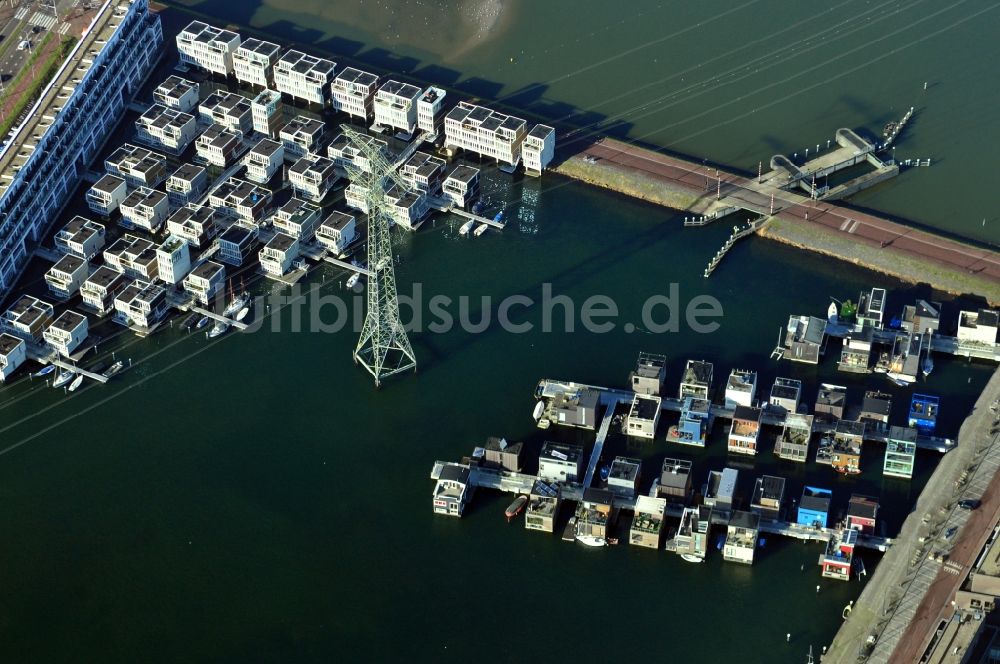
738	234
443	205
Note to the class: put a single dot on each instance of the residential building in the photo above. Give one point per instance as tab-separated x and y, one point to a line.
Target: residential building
786	394
423	173
138	166
539	149
871	309
312	177
300	136
485	132
559	462
793	443
837	559
741	388
693	532
719	491
692	426
241	200
219	146
264	161
141	304
177	93
922	317
647	522
353	92
268	113
856	352
741	537
923	413
347	157
277	255
649	374
900	452
165	128
875	410
205	282
429	107
98	292
145	208
697	380
207	47
675	481
106	195
830	402
498	453
337	232
304	76
186	185
298	219
461	187
805	339
253	61
80	237
593	513
49	151
27	318
173	260
862	512
978	327
543	508
814	507
848	438
768	494
67	333
67	275
236	245
643	416
453	490
13	353
228	109
133	256
623	476
407	208
744	431
396	106
356	197
195	224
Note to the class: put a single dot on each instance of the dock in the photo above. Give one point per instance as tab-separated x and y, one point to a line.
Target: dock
737	235
100	378
348	266
443	205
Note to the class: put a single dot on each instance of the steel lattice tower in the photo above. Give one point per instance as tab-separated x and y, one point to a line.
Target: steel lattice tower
383	347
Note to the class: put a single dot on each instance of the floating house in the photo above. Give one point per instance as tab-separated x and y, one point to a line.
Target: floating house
862	512
178	93
572	406
831	401
173	260
643	416
424	172
741	388
461	187
846	452
207	47
145	208
768	492
805	339
195	224
837	559
697	380
133	256
186	185
453	490
253	62
539	149
921	317
900	452
236	245
719	491
28	318
623	476
856	353
501	454
205	282
80	237
312	177
353	92
300	136
98	292
395	106
905	359
337	232
543	508
793	443
67	333
268	113
786	393
142	304
675	481
978	327
693	532
264	160
744	431
165	128
814	507
297	218
229	110
594	514
648	377
692	427
219	146
106	195
741	537
66	276
139	167
923	413
278	254
560	462
429	107
875	410
871	309
303	76
13	353
647	522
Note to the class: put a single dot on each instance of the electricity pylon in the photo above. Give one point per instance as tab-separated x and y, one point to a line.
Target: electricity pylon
383	347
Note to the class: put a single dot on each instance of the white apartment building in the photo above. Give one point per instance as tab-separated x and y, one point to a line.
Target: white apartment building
407	208
424	172
67	275
241	200
356	197
346	156
27	318
173	260
267	112
485	132
236	245
67	333
396	106
13	353
264	161
195	224
178	93
304	76
166	129
228	109
80	237
50	150
429	111
207	47
145	208
186	185
278	254
539	149
133	256
353	92
219	146
98	292
253	60
138	166
301	136
142	304
337	232
461	186
106	195
205	281
298	219
312	177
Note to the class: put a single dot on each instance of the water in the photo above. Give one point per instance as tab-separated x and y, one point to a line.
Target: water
256	499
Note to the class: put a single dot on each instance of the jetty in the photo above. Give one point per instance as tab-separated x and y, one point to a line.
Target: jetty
443	205
737	235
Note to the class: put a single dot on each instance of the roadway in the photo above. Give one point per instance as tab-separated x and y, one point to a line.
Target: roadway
29	21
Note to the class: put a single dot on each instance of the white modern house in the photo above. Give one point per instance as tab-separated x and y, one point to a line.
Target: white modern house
253	61
106	195
13	353
264	161
219	146
186	185
228	109
145	208
461	186
173	260
195	224
346	155
539	149
241	200
165	128
424	172
67	275
205	281
138	166
304	76
430	109
301	136
337	232
133	256
67	333
298	219
178	93
485	132
396	106
142	304
312	177
27	318
278	254
267	113
98	292
353	92
80	237
207	47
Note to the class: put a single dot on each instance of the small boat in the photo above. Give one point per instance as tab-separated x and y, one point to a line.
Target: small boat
353	280
499	217
202	323
236	302
928	366
605	472
832	315
515	507
466	227
64	376
482	228
77	382
591	540
114	368
477	207
44	371
242	313
539	409
218	329
691	558
190	322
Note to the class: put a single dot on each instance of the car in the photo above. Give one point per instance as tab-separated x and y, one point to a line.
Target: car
948	534
969	503
23	45
36	29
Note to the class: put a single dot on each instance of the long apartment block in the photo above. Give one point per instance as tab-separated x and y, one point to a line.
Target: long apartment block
62	134
485	132
254	60
207	47
353	92
304	76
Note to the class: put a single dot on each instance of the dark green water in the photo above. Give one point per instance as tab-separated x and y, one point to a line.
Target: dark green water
255	499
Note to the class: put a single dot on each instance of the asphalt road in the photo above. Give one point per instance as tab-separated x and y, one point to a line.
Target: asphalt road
18	30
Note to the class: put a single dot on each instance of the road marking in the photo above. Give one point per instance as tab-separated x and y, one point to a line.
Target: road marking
21	13
64	28
843	226
44	21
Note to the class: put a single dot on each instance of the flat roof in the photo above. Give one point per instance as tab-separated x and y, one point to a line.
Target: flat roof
741	519
337	220
573	452
8	342
353	75
400	89
208	269
68	321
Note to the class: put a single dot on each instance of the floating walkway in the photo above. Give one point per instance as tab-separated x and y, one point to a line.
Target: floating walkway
443	205
738	234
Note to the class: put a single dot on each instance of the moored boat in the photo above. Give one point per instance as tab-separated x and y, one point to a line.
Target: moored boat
77	382
202	323
691	558
591	540
218	329
466	227
114	368
516	507
242	313
539	409
64	376
482	228
45	371
353	280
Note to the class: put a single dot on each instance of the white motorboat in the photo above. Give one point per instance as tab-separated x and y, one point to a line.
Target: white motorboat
591	540
691	558
114	368
466	227
218	329
242	314
77	382
64	376
539	409
482	228
832	314
352	282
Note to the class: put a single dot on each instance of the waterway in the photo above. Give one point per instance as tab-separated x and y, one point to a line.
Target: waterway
255	499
